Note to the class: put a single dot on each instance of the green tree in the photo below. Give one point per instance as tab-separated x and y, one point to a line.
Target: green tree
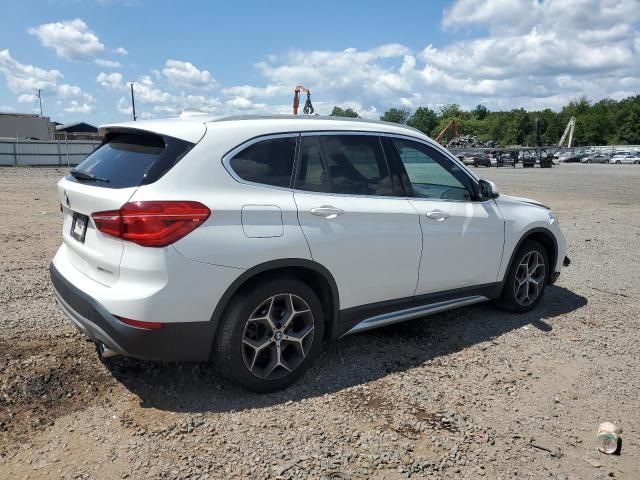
519	127
451	110
339	112
424	119
604	122
480	112
629	121
396	115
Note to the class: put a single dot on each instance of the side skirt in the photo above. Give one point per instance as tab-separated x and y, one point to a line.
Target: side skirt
368	317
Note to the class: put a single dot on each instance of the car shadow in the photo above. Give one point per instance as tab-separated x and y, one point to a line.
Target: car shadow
352	360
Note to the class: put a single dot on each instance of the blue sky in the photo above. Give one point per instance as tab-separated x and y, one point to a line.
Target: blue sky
246	56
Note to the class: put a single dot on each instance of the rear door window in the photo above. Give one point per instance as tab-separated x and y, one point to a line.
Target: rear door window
269	162
130	159
356	164
347	164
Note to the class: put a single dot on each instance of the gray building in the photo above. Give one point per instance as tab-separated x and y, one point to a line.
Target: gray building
77	131
25	126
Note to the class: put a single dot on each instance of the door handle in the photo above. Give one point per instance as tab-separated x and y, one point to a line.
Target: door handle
326	211
437	215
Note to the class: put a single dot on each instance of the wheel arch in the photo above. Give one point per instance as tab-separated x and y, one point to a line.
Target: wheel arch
308	271
543	236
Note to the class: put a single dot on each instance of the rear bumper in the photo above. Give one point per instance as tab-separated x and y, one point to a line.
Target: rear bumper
185	341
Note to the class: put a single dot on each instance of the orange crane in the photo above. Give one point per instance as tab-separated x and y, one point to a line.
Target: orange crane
308	107
451	125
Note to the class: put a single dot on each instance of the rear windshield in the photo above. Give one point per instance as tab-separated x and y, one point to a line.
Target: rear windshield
130	160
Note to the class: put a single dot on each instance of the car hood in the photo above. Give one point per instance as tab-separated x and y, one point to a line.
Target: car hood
509	198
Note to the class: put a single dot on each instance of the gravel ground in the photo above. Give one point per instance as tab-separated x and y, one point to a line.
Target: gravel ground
456	395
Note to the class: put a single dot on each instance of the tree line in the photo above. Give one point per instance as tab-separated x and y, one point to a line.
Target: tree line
606	122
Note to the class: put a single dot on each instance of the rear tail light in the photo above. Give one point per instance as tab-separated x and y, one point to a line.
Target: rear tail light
152	224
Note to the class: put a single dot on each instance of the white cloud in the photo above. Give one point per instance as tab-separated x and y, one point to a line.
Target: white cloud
121	51
537	53
27	98
338	76
112	81
147	92
70	39
249	91
77	100
26	78
7	109
124	107
503	13
74	92
186	74
241	103
107	63
78	107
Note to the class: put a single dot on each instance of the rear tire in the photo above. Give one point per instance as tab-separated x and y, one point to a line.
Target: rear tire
526	279
270	334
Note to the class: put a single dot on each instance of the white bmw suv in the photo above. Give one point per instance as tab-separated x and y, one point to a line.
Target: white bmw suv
251	240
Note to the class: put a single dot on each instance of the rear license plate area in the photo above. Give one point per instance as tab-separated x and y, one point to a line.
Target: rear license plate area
79	226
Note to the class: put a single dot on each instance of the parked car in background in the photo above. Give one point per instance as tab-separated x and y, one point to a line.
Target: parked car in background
573	158
597	158
478	160
626	158
253	240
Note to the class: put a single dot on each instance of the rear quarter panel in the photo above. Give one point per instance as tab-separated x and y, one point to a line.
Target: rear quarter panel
222	240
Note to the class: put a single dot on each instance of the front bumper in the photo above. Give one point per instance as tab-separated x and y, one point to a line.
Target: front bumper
184	341
554	276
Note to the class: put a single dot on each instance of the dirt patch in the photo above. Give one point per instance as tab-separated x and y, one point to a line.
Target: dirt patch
44	379
414	420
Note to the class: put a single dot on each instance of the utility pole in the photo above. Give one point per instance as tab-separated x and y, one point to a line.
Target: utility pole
133	103
40	100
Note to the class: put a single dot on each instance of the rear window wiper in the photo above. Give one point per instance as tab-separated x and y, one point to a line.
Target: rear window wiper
82	175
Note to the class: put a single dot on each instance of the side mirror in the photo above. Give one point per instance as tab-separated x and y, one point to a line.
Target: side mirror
488	189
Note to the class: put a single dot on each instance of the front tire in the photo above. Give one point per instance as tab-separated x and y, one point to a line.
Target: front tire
526	280
270	335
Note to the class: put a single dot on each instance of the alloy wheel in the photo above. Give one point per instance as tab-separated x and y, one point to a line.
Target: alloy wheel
277	336
529	278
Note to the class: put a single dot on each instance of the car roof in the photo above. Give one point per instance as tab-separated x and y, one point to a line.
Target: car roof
192	127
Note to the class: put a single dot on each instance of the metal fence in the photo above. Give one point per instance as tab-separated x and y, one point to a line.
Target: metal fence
16	152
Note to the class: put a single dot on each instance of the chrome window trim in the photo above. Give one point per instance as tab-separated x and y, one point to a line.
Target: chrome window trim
226	159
